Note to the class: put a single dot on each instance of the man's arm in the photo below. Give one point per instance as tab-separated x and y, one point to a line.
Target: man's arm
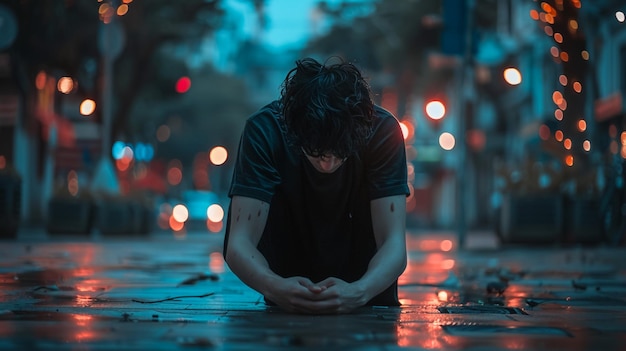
389	224
247	221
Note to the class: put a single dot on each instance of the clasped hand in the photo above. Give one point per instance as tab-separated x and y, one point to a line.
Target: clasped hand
330	296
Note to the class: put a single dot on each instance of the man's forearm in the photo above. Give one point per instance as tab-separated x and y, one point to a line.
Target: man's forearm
384	268
250	266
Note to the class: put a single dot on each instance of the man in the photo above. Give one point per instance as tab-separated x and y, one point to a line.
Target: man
317	216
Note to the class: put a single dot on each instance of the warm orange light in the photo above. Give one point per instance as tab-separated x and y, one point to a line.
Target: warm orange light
65	85
558	114
122	10
216	262
548	30
587	145
558	135
176	225
218	155
534	14
544	132
548	8
123	164
582	125
558	37
407	129
87	107
554	51
577	87
567	143
214	227
512	76
446	245
428	245
569	160
447	264
585	55
40	80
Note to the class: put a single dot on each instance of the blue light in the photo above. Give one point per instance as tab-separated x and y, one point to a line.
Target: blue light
117	151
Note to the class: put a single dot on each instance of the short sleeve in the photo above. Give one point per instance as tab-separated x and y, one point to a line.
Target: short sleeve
255	174
386	159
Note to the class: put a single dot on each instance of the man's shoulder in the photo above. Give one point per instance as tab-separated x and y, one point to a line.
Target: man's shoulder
266	124
381	112
384	121
269	111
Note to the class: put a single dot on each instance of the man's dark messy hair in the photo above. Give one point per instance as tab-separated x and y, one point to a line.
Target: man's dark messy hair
327	107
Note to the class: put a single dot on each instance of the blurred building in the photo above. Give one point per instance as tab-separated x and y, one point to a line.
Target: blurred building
545	156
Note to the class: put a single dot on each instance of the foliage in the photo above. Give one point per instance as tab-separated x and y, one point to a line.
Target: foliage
55	36
62	37
396	38
196	121
150	27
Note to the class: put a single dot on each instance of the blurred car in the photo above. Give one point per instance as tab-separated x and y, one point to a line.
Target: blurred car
196	210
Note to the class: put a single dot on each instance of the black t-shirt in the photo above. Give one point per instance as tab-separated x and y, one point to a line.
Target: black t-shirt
319	224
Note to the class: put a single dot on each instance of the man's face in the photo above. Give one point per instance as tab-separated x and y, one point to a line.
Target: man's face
325	163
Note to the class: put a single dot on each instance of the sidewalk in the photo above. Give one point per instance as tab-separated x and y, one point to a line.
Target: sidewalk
164	292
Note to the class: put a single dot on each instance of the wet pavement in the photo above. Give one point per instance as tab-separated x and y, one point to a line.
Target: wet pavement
165	291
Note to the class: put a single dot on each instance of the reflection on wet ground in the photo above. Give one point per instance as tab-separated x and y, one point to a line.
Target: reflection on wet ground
165	292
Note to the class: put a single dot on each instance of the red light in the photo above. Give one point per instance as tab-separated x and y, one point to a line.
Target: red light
183	84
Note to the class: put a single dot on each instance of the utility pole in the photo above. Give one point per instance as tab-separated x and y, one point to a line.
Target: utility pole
111	42
466	89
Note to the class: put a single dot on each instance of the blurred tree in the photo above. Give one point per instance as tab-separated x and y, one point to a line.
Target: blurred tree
62	36
193	127
395	39
152	30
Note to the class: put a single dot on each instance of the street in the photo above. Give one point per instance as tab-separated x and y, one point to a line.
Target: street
161	291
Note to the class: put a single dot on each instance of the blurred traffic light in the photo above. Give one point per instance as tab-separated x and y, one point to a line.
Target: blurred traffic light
183	84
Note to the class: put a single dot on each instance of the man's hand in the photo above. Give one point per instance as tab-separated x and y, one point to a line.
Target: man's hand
338	296
295	294
330	296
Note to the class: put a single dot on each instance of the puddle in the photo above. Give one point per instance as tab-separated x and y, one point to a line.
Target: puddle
482	330
478	309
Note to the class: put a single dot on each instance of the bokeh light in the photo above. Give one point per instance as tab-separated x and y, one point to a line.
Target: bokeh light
180	213
447	141
215	213
512	76
87	107
183	85
218	155
65	85
435	109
